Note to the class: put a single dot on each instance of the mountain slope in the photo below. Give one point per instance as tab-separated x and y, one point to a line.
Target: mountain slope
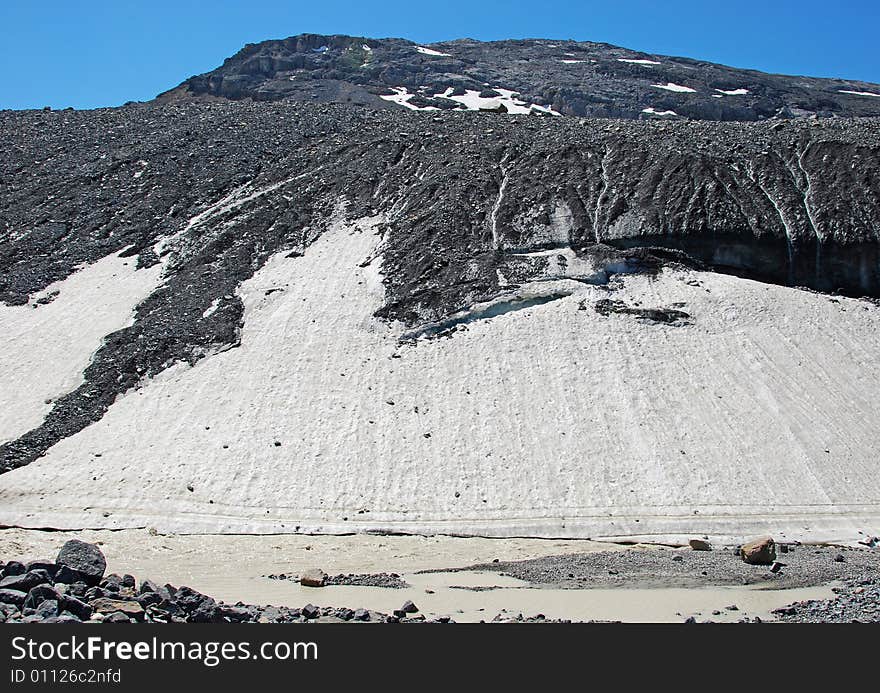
376	310
519	76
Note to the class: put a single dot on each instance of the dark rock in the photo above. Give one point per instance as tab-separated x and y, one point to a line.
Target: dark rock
23	582
234	614
361	615
310	611
96	592
47	609
14	568
78	608
117	617
10	596
207	612
699	545
67	576
77	589
48	567
409	608
37	595
147	598
112	582
84	558
189	599
64	617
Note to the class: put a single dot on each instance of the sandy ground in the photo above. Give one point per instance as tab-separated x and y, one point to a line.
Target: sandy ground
553	421
232	568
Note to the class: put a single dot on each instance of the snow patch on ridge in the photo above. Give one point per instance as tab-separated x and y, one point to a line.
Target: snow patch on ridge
671	86
431	52
401	96
858	93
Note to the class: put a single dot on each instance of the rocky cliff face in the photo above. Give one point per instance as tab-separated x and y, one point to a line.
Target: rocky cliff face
473	205
519	76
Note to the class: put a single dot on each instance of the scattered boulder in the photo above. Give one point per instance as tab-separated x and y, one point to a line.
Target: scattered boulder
66	576
700	545
313	578
361	615
48	608
14	568
48	566
310	611
409	608
494	106
77	608
39	594
104	605
14	597
24	583
85	559
759	551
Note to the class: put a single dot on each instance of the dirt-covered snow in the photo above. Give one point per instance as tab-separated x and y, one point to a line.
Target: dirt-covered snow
759	414
46	343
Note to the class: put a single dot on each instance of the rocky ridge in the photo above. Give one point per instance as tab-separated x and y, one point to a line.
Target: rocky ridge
538	76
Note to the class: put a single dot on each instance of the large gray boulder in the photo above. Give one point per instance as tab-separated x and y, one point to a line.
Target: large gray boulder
86	559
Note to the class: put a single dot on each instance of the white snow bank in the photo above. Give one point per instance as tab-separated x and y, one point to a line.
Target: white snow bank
653	111
44	349
429	51
548	421
858	93
671	86
402	96
472	100
733	92
572	62
638	62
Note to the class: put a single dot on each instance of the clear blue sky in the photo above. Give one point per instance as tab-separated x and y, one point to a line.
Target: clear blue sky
90	53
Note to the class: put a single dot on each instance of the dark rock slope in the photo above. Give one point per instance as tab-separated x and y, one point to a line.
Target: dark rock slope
795	203
574	78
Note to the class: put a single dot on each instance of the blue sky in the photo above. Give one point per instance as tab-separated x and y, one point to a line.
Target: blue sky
91	53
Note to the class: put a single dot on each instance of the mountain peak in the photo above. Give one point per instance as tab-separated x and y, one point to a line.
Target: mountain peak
543	76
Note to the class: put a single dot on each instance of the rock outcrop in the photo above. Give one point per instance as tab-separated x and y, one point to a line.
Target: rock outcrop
528	76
